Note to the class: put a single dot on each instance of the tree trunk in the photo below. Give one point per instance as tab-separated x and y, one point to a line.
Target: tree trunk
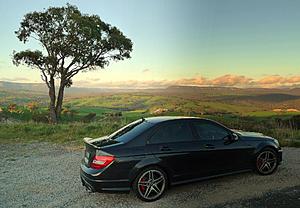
53	116
60	98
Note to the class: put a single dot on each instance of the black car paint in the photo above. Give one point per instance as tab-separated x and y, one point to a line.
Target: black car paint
182	161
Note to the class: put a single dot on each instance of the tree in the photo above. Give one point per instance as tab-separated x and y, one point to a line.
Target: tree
71	42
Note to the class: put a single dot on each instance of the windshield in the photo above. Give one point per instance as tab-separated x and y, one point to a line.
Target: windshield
130	131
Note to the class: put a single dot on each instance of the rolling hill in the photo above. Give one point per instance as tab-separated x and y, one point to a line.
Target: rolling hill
174	99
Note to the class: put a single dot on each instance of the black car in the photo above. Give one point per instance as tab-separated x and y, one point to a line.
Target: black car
151	154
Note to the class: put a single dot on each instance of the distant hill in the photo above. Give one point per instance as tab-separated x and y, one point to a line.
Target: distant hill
188	90
271	97
14	86
259	97
41	87
232	90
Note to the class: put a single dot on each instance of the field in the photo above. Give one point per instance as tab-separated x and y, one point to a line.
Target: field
272	112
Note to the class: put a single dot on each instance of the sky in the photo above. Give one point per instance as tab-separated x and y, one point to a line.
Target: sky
194	42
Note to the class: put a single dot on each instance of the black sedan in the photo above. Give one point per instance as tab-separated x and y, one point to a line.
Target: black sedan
149	155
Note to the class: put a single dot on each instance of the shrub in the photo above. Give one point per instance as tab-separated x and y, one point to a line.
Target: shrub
88	118
40	118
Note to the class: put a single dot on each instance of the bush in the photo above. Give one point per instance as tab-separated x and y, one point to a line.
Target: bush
89	118
295	120
40	118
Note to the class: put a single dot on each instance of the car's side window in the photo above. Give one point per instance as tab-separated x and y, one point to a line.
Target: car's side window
210	131
172	132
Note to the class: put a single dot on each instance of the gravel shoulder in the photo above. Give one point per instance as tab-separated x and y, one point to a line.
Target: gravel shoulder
284	198
47	175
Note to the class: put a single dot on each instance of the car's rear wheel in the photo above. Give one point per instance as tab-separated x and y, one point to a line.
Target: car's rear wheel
266	161
150	184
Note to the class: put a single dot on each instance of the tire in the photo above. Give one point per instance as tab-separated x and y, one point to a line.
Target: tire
150	184
266	161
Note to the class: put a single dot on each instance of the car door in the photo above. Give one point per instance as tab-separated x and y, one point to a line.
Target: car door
219	152
173	143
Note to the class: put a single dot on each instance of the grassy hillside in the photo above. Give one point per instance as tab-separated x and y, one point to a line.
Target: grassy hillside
128	102
21	97
264	110
74	132
148	103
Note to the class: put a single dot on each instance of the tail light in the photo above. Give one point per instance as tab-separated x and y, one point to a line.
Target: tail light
101	161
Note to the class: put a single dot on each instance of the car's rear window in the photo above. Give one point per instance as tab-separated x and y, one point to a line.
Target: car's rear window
131	130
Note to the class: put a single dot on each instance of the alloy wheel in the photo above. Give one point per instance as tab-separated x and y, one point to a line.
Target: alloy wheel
266	162
151	184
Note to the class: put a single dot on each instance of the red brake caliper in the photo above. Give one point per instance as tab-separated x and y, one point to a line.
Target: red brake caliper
142	187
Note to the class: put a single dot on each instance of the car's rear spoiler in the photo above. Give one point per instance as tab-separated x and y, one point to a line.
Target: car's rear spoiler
88	141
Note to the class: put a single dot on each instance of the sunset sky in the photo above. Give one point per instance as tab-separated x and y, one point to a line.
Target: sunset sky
196	42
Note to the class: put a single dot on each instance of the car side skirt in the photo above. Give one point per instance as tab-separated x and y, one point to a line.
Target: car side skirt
209	177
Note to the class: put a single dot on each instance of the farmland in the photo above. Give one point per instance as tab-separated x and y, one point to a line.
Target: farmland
270	111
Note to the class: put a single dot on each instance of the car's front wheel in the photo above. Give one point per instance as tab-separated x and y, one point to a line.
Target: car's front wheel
266	161
150	184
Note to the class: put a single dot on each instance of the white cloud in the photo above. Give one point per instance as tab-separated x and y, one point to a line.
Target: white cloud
227	80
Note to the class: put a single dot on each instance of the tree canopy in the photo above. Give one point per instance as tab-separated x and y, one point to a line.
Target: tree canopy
71	42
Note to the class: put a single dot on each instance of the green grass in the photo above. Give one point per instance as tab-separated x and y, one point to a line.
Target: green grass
72	133
272	114
86	110
138	104
134	106
127	102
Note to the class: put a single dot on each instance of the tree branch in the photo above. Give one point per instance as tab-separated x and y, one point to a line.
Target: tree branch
45	78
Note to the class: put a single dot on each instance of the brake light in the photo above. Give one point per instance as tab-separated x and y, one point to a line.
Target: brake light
101	161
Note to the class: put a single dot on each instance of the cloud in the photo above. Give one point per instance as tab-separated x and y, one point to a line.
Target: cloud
192	81
272	79
277	80
145	70
231	80
293	79
95	79
129	84
16	79
227	80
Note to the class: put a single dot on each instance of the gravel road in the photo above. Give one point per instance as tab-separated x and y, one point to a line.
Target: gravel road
47	175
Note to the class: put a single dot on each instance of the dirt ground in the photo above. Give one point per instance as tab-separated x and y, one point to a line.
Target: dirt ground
47	175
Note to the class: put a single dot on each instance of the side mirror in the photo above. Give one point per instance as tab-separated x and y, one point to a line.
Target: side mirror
234	137
231	138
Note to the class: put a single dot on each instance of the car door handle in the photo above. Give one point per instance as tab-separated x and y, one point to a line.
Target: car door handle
209	146
165	148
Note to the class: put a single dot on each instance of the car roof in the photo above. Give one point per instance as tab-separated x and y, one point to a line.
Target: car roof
160	119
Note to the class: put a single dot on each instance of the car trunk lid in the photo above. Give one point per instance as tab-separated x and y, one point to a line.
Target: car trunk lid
94	147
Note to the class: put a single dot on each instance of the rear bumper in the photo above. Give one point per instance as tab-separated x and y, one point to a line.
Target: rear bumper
99	185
